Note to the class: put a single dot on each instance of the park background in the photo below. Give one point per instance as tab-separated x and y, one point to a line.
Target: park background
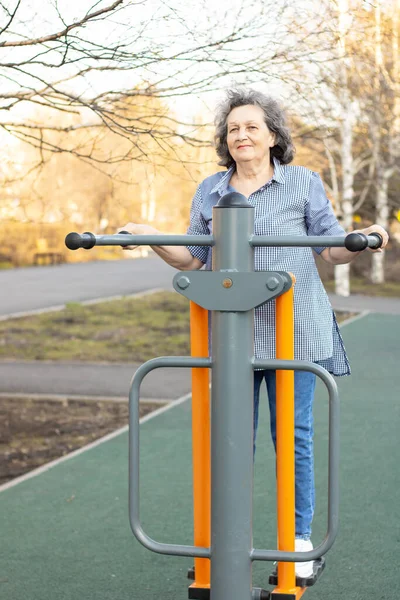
106	113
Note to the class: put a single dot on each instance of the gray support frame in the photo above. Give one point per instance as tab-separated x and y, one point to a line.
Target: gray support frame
232	386
233	363
255	554
231	551
134	463
333	461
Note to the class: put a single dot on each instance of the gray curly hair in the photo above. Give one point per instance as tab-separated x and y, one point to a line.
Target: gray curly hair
274	118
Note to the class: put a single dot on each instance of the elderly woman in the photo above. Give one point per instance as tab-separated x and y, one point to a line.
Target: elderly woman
255	146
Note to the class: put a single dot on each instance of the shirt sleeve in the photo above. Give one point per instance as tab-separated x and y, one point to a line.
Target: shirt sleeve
320	218
198	226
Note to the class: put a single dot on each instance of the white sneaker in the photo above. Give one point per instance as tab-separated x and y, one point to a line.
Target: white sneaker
303	569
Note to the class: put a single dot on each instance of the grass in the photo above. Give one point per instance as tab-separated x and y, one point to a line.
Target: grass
6	265
126	330
390	289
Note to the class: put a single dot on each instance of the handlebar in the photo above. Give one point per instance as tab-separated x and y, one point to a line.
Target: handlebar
86	240
354	242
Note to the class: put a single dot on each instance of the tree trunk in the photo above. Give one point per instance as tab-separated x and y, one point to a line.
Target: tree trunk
382	218
342	272
349	112
378	268
342	280
382	174
148	199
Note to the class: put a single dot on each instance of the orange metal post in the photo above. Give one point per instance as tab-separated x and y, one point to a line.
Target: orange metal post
285	440
201	443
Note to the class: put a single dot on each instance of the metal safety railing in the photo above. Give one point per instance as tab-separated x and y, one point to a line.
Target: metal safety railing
223	429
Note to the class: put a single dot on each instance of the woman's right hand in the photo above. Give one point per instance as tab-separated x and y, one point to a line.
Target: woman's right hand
136	229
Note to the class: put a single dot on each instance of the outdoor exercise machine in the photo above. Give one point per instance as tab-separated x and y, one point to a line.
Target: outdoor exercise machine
223	451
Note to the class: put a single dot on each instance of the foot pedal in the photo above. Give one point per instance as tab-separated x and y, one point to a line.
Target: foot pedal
260	594
319	566
197	593
194	592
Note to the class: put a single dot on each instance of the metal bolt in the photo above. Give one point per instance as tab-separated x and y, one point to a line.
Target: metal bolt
183	282
272	283
227	283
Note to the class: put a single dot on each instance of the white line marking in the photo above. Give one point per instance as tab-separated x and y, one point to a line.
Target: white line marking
364	313
106	438
76	398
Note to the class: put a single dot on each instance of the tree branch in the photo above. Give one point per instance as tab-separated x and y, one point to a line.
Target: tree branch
65	31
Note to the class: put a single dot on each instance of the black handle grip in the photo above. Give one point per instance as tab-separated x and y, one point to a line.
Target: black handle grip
86	240
356	242
375	243
125	232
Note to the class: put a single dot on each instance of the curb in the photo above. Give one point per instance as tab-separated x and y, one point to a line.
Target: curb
58	307
65	398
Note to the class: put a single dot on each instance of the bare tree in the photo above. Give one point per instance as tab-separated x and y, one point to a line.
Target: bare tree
86	69
328	102
353	99
385	120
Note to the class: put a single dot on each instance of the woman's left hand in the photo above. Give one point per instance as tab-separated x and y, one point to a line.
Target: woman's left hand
375	229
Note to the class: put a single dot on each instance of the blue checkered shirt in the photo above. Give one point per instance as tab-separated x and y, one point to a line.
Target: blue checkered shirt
293	202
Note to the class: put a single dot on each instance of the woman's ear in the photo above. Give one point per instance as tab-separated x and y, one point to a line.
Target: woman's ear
272	140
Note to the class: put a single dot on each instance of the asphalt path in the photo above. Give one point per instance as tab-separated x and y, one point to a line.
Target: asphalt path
41	288
32	289
35	288
38	288
89	380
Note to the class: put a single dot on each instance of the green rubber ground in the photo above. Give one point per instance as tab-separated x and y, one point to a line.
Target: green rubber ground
65	533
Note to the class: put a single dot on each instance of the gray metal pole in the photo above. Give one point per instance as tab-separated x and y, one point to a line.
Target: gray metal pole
232	412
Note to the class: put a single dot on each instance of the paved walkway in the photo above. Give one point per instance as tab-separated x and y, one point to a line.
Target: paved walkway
38	288
113	380
88	379
359	303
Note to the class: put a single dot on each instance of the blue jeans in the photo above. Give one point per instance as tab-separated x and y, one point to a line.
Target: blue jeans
304	387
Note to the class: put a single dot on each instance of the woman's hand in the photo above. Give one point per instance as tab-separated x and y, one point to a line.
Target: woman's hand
136	229
375	229
342	256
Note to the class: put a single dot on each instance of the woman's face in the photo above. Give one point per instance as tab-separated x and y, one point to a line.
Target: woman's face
248	137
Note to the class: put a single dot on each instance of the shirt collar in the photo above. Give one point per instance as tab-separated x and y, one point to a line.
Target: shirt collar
279	171
222	185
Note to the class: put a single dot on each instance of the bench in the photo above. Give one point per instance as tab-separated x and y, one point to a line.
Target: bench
45	255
